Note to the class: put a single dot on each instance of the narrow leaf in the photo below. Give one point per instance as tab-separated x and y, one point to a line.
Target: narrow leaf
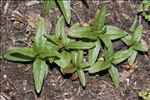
59	30
74	56
134	25
108	54
93	53
65	8
132	57
48	54
40	70
80	45
115	32
47	5
17	57
81	77
20	54
41	30
140	47
107	42
99	66
76	31
40	40
113	72
137	34
23	50
100	20
120	56
80	56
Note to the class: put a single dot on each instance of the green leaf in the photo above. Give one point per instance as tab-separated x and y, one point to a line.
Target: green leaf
74	56
99	66
93	53
41	30
59	30
81	77
113	72
65	8
115	32
48	54
140	47
127	40
81	32
47	5
108	54
52	38
106	40
80	45
51	47
134	25
100	20
132	57
17	57
40	40
76	28
87	35
65	59
137	34
83	65
23	50
121	56
80	56
20	54
40	70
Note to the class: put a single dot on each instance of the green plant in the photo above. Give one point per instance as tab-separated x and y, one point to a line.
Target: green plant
38	54
145	95
76	50
133	42
144	9
63	4
100	33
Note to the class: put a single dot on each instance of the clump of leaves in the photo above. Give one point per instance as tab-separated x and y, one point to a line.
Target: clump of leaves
38	54
144	9
64	7
133	42
76	50
145	95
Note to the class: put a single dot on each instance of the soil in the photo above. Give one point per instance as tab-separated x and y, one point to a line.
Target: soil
16	79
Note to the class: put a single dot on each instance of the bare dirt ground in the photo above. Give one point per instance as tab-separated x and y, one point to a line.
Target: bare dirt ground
16	80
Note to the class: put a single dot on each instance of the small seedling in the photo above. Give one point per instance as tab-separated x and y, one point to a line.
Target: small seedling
144	9
133	42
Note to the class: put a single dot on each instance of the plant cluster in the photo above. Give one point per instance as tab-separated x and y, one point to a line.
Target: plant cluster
145	95
76	49
144	9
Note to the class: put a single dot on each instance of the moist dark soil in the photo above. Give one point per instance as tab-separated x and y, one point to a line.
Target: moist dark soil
16	79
